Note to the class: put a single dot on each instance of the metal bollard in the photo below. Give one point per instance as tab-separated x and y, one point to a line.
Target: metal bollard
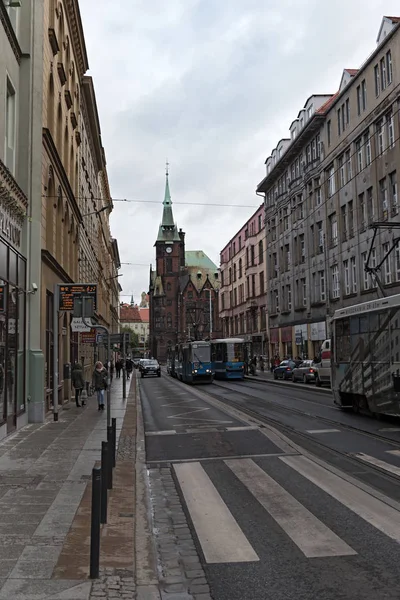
114	440
104	474
95	525
109	461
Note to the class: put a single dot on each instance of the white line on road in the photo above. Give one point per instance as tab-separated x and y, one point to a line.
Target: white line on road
308	533
242	428
388	429
188	412
394	452
220	537
323	430
374	511
166	432
379	463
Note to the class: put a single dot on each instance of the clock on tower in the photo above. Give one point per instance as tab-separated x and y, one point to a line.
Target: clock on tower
168	249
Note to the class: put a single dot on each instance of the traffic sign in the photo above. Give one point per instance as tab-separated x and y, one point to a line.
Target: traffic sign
78	326
69	291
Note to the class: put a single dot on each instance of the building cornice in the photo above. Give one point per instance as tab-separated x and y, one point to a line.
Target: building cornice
58	166
8	28
12	186
51	262
78	38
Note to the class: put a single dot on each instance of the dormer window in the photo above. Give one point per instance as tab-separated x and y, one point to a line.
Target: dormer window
293	134
310	111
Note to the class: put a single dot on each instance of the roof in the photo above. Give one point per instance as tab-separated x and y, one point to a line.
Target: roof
323	109
352	71
197	258
144	315
168	231
129	314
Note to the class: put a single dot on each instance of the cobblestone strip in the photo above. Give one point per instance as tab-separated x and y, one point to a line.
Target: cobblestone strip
181	574
114	584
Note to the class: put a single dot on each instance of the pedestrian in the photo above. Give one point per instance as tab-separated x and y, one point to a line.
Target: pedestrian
100	383
78	382
262	363
129	367
111	370
118	367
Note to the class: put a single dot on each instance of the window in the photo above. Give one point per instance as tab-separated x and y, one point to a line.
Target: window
252	257
387	271
331	181
339	121
240	242
335	281
320	238
259	223
359	153
322	290
168	262
318	197
234	248
383	197
393	192
349	172
380	137
346	271
344	222
389	72
303	284
367	144
240	268
397	261
366	274
276	300
342	178
310	111
302	248
383	73
262	282
350	219
253	285
260	253
289	297
328	132
333	230
234	272
347	111
359	99
353	267
390	129
10	125
377	80
370	206
364	94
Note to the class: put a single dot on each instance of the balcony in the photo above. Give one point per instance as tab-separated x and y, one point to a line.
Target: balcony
53	41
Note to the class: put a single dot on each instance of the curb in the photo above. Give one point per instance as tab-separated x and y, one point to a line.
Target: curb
299	386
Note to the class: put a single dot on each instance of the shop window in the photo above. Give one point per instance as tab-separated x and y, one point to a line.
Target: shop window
12	268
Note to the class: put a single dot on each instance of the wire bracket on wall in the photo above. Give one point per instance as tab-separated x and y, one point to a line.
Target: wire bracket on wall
373	271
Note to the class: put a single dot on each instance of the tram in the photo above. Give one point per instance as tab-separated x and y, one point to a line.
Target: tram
227	356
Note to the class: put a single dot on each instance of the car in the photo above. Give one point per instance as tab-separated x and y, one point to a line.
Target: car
284	370
305	372
149	367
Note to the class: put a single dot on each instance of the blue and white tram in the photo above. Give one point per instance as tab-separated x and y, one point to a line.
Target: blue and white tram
227	356
195	362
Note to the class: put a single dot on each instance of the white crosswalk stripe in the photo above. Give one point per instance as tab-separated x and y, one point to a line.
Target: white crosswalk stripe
382	464
221	536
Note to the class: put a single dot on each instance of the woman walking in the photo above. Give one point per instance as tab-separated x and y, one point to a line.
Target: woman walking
100	383
78	382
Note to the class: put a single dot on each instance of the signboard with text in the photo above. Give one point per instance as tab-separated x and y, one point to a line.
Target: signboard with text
88	337
69	291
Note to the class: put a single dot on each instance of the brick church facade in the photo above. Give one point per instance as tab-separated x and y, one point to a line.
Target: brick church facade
183	292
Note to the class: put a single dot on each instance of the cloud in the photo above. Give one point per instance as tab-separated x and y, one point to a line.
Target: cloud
213	86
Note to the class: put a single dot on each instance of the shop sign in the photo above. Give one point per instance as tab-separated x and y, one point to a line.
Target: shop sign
88	337
318	331
10	229
78	326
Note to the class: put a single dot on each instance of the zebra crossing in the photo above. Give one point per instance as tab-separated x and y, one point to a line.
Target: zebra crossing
209	489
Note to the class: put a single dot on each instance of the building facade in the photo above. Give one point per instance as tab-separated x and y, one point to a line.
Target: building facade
324	188
183	290
242	303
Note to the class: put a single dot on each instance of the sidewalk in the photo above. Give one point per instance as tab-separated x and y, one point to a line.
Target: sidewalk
45	498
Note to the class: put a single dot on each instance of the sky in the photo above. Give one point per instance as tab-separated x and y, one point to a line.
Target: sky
212	86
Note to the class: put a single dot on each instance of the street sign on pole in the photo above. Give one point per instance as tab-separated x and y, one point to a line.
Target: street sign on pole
78	326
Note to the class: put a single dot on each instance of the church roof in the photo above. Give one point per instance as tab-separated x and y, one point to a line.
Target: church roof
168	231
197	258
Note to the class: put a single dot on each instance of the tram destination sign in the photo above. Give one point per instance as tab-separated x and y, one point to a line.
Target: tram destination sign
69	291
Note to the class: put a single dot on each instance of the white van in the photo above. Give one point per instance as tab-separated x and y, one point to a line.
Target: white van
323	365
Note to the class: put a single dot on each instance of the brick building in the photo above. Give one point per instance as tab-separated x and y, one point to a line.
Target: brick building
183	294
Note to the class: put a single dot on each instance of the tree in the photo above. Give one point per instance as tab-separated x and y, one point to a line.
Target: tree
133	339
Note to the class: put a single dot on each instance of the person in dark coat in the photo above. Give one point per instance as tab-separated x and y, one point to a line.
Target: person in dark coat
78	382
129	367
100	383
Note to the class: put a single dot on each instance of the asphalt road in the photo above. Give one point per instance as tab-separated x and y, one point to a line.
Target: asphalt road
270	521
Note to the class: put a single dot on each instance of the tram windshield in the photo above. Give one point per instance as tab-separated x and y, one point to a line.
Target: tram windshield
235	352
201	353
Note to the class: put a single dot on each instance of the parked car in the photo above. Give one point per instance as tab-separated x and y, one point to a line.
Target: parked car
305	372
284	370
323	365
149	367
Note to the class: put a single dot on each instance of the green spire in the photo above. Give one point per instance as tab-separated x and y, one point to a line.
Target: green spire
132	302
168	230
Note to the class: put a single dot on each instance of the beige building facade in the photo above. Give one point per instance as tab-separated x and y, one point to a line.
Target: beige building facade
325	186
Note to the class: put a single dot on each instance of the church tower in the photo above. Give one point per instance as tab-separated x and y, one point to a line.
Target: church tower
164	281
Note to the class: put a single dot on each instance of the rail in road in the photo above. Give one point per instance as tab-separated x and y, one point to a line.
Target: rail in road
240	511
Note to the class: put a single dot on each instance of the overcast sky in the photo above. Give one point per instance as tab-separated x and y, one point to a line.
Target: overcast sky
213	85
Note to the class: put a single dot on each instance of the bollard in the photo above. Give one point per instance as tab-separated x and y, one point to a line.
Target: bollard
104	474
114	439
95	525
109	461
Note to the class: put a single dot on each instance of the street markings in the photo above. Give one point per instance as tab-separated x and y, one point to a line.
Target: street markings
387	429
379	463
220	537
243	428
166	432
323	430
374	511
394	452
308	533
